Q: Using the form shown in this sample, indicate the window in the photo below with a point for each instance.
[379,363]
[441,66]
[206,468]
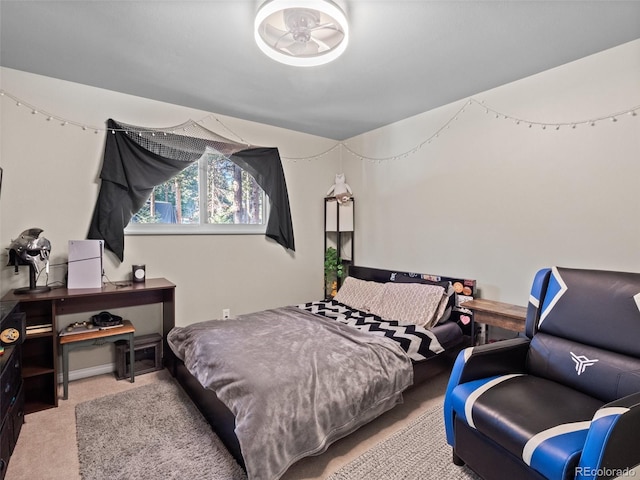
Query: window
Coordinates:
[212,195]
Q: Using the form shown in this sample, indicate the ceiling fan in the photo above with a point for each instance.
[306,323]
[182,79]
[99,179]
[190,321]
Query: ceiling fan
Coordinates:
[301,33]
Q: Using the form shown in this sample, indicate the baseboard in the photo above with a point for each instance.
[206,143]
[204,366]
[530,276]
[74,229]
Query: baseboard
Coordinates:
[89,372]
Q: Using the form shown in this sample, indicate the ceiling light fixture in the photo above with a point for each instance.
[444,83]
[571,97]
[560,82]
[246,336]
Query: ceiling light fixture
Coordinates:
[302,33]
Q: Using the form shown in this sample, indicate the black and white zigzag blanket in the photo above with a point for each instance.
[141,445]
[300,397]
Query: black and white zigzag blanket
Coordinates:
[419,343]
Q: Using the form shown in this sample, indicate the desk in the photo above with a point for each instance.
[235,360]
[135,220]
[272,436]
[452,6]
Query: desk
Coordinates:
[40,350]
[497,314]
[94,337]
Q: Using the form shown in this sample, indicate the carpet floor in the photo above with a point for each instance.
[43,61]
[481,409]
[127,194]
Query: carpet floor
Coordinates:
[155,431]
[417,452]
[147,433]
[48,448]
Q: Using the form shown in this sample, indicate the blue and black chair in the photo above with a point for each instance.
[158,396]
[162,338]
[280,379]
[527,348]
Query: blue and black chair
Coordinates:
[562,401]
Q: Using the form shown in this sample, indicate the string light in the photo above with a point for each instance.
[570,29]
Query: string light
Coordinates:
[613,118]
[488,110]
[319,155]
[64,121]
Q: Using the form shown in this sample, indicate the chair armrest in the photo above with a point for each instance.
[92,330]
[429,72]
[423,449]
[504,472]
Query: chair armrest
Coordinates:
[491,359]
[611,448]
[499,358]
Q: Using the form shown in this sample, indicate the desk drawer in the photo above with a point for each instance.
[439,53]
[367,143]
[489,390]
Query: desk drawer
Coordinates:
[6,435]
[10,381]
[16,415]
[10,431]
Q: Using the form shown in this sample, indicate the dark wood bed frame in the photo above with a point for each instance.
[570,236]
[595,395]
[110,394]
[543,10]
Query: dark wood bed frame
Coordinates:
[222,419]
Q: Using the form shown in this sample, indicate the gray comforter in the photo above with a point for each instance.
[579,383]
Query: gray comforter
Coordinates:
[295,381]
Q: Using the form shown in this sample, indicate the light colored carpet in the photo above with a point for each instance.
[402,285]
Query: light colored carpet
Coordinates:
[417,452]
[147,433]
[48,450]
[155,431]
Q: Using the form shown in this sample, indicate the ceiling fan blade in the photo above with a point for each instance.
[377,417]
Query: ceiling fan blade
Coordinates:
[304,48]
[328,34]
[331,25]
[273,35]
[312,47]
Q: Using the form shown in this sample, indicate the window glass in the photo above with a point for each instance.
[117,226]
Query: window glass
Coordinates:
[212,195]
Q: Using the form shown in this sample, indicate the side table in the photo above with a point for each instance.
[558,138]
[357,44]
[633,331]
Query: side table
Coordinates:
[95,337]
[497,314]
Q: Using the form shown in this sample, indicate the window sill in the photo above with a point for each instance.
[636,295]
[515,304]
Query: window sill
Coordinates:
[173,229]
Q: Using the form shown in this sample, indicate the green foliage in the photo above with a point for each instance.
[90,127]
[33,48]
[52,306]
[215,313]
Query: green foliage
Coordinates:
[232,195]
[333,267]
[144,215]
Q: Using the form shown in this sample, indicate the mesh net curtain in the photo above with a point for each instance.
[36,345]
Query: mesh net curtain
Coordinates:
[136,159]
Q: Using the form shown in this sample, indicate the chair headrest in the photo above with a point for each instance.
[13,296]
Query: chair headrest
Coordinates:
[594,307]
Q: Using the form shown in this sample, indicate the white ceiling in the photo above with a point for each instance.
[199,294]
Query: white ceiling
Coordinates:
[404,57]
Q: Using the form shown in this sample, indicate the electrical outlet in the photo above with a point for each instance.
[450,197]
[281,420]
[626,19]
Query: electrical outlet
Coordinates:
[226,313]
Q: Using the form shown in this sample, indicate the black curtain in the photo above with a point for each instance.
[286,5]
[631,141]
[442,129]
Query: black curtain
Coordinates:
[130,171]
[265,166]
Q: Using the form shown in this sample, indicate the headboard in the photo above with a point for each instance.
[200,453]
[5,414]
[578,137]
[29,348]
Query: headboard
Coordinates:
[465,289]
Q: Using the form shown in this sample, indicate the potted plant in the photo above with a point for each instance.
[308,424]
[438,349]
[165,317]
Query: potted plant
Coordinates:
[333,270]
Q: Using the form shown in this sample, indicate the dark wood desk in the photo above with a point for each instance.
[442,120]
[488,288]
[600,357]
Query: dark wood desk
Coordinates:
[40,350]
[498,314]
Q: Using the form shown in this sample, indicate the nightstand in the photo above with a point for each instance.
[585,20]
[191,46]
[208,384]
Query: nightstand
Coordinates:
[497,314]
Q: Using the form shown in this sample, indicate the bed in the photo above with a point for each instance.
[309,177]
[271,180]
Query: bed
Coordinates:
[285,383]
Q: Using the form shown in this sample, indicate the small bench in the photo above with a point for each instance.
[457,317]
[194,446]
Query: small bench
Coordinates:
[95,337]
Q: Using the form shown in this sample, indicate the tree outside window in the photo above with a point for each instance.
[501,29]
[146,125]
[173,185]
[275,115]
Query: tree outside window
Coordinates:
[211,191]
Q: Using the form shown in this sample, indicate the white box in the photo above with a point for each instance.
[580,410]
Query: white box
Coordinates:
[85,264]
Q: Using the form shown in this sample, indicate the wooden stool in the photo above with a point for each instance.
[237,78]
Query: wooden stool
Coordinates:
[95,337]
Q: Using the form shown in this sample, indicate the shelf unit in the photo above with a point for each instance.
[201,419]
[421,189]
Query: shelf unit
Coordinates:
[339,226]
[39,354]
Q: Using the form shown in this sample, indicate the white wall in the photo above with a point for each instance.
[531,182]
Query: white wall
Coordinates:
[487,199]
[495,201]
[51,182]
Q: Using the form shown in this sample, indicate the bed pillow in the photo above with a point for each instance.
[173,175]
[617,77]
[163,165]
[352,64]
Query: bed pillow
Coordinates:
[448,299]
[410,303]
[360,294]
